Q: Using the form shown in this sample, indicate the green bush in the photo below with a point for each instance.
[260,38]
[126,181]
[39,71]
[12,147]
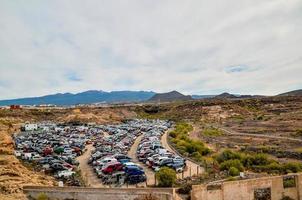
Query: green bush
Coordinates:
[226,165]
[258,162]
[292,167]
[228,155]
[166,177]
[42,196]
[197,156]
[288,183]
[212,132]
[233,171]
[185,145]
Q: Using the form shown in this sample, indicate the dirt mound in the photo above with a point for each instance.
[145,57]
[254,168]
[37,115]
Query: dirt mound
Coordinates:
[101,115]
[13,176]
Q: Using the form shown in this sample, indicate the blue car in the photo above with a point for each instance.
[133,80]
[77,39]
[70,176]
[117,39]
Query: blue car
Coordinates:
[133,170]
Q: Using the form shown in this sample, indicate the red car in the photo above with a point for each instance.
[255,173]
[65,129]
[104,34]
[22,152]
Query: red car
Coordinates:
[47,151]
[112,167]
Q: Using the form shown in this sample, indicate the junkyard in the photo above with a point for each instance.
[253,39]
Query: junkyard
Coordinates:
[54,149]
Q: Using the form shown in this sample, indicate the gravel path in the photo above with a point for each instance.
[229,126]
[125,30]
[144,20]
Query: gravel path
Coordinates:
[88,174]
[132,154]
[91,178]
[232,132]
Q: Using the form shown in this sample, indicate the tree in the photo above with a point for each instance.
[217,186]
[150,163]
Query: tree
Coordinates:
[166,177]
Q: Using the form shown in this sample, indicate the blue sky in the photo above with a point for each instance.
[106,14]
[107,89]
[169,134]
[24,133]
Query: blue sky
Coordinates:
[195,47]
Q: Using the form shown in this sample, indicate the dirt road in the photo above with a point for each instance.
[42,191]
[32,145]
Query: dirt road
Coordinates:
[232,132]
[132,154]
[91,178]
[191,169]
[88,174]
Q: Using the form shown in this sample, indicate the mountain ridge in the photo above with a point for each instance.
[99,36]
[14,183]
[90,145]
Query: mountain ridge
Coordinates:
[86,97]
[292,93]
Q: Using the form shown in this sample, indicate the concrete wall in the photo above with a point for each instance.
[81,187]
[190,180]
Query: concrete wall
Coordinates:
[79,193]
[244,189]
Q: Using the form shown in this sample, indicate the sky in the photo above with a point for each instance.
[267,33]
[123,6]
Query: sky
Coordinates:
[192,46]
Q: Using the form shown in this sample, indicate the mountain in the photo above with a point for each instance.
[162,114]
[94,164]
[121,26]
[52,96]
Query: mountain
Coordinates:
[292,93]
[169,96]
[202,96]
[87,97]
[225,95]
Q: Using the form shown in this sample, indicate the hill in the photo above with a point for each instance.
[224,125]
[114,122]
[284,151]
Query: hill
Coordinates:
[292,93]
[225,95]
[87,97]
[202,96]
[170,96]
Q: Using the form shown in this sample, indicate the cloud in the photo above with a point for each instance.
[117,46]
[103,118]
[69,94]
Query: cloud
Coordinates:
[73,76]
[236,69]
[240,46]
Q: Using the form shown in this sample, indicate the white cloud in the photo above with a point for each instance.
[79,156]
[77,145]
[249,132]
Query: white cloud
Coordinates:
[70,46]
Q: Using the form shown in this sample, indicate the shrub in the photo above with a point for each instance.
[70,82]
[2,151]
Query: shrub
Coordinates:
[292,167]
[288,183]
[173,134]
[185,188]
[186,145]
[233,171]
[260,159]
[212,132]
[166,177]
[42,196]
[226,165]
[228,155]
[299,132]
[286,198]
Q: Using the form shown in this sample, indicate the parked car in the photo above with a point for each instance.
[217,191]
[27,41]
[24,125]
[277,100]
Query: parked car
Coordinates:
[112,167]
[65,173]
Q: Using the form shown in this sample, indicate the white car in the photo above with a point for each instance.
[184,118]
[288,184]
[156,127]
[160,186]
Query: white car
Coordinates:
[65,173]
[18,154]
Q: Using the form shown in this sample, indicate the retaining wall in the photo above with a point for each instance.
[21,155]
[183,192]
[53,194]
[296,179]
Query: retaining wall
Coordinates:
[80,193]
[247,189]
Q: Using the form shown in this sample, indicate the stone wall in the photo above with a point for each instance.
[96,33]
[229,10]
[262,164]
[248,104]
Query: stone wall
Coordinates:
[268,188]
[79,193]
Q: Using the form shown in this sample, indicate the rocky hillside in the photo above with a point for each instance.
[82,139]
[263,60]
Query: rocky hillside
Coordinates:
[225,95]
[169,96]
[292,93]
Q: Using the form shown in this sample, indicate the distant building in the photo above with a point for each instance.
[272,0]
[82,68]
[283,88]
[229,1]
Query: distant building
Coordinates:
[29,127]
[15,107]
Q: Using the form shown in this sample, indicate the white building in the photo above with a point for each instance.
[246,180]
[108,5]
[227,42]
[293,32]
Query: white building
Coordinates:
[30,127]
